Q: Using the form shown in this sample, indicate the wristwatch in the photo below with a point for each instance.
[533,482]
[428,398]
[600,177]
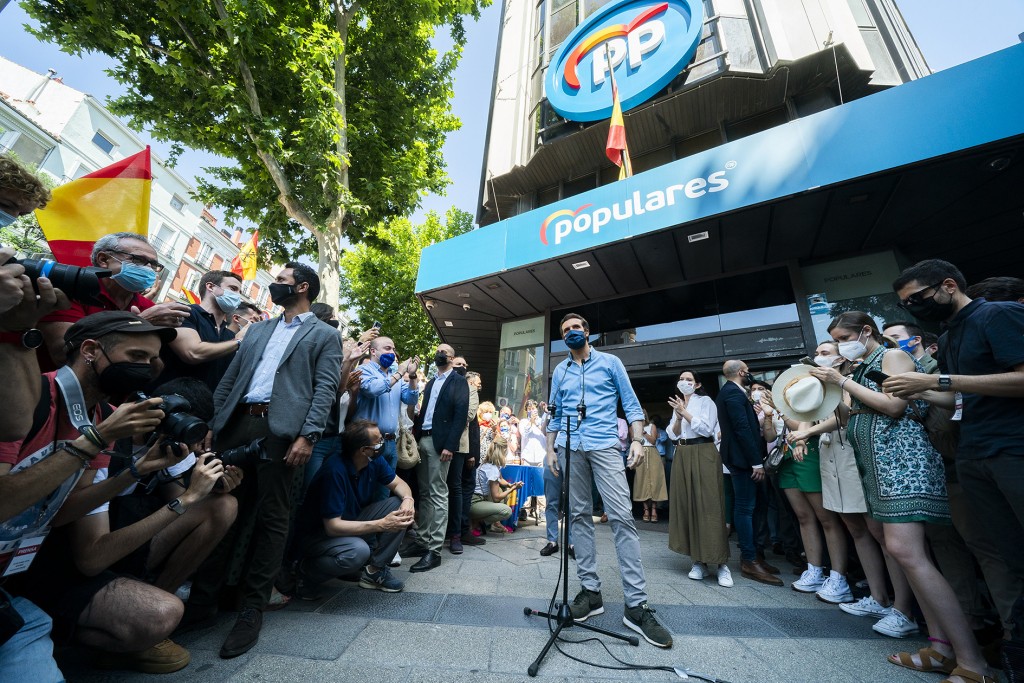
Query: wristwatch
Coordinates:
[176,506]
[945,383]
[30,339]
[312,437]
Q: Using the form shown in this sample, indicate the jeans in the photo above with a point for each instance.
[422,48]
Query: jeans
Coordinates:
[552,491]
[390,455]
[28,655]
[324,448]
[326,557]
[745,491]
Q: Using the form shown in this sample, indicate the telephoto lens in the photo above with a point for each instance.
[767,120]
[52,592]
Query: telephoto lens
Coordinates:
[79,284]
[246,454]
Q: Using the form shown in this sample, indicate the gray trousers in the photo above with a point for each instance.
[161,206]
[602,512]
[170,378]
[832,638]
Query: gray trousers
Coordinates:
[432,510]
[327,557]
[609,474]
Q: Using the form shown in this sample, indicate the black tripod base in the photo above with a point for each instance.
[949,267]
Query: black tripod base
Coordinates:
[564,620]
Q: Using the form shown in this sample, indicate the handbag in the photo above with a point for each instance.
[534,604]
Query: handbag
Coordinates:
[408,451]
[777,454]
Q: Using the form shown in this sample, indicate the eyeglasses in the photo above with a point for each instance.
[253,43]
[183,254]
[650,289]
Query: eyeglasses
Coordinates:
[138,260]
[916,299]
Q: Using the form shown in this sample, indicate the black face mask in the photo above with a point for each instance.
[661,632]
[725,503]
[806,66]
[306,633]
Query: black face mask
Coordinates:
[118,379]
[461,370]
[931,310]
[748,379]
[280,293]
[440,359]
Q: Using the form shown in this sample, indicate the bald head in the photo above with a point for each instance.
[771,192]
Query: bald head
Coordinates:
[733,369]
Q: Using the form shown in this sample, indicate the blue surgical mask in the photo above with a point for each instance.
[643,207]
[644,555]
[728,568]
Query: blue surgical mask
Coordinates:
[229,301]
[386,360]
[6,219]
[575,339]
[134,278]
[907,345]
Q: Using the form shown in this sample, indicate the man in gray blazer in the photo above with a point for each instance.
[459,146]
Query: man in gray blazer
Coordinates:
[280,388]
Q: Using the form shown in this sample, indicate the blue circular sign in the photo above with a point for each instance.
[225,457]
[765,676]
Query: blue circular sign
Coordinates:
[646,43]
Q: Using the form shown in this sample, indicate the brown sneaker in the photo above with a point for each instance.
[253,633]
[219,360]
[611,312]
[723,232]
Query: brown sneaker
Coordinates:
[163,658]
[758,572]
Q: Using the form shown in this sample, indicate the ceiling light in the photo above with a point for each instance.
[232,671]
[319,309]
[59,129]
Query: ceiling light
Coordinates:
[449,323]
[580,265]
[429,303]
[463,295]
[697,236]
[493,285]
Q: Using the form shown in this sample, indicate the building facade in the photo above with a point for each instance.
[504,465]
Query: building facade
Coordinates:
[797,159]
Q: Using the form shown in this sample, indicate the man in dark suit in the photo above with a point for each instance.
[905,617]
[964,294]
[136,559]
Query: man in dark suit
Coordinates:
[742,452]
[438,429]
[280,388]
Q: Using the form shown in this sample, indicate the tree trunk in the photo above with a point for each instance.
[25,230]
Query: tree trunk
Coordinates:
[328,241]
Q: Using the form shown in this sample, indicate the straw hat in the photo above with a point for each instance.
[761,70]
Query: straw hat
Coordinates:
[801,396]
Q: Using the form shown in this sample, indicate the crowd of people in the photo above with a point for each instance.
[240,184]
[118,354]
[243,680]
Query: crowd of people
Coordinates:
[163,462]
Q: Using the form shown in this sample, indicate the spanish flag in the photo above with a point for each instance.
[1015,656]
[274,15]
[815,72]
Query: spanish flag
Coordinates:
[190,296]
[616,148]
[244,265]
[112,199]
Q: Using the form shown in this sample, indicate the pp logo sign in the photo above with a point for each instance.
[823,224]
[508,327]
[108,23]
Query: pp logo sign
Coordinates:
[646,43]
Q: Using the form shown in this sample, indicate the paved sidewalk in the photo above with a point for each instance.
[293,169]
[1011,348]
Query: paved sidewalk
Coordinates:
[464,622]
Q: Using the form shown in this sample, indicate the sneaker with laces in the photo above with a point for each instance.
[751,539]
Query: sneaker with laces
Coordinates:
[642,620]
[896,625]
[724,576]
[835,590]
[380,580]
[810,581]
[866,607]
[698,572]
[586,604]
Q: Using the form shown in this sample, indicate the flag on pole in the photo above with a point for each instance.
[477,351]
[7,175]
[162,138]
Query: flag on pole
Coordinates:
[616,148]
[112,199]
[244,265]
[189,295]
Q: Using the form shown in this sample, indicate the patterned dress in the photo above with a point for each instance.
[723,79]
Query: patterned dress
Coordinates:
[904,479]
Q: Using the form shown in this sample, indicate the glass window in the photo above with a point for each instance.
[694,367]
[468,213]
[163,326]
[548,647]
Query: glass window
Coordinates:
[177,203]
[591,6]
[29,152]
[563,21]
[103,142]
[192,280]
[520,374]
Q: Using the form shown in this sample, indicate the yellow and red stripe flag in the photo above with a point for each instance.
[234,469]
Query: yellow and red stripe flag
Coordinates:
[112,199]
[244,265]
[189,295]
[616,148]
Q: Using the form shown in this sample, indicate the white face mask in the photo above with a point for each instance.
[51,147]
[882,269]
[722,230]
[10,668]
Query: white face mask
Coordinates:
[852,350]
[825,361]
[757,395]
[686,387]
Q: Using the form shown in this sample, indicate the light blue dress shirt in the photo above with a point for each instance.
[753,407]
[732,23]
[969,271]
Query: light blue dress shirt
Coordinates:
[603,381]
[428,416]
[261,386]
[380,402]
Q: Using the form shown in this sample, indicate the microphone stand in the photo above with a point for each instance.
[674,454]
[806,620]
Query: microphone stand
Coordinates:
[563,617]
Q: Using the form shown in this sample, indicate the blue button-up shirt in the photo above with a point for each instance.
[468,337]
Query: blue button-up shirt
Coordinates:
[380,402]
[602,380]
[261,386]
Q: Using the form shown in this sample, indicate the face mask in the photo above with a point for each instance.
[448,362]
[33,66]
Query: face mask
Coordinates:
[931,310]
[748,379]
[385,360]
[229,300]
[685,388]
[852,350]
[504,431]
[280,293]
[6,219]
[377,448]
[134,278]
[460,370]
[575,339]
[824,361]
[122,378]
[907,345]
[756,396]
[441,359]
[488,416]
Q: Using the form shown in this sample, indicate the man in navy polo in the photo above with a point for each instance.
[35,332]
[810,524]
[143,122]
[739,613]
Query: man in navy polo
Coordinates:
[343,528]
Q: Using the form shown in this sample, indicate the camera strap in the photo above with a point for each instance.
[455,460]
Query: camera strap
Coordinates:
[71,390]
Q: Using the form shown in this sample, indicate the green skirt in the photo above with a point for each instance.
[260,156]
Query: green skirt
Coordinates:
[804,476]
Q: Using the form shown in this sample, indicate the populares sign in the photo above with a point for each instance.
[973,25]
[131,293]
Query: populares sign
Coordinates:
[646,43]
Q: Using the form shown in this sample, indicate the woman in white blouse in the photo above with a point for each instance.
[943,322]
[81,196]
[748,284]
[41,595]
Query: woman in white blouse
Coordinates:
[696,503]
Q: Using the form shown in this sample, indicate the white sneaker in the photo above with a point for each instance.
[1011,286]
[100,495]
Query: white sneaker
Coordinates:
[397,561]
[835,590]
[866,607]
[699,571]
[724,576]
[810,581]
[896,625]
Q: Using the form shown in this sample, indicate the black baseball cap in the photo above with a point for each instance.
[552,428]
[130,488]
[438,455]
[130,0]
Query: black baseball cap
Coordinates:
[103,323]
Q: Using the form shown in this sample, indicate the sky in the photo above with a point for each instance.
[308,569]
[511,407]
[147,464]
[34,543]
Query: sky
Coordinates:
[944,34]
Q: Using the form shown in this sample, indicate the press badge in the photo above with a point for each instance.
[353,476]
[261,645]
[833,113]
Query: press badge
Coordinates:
[26,551]
[958,407]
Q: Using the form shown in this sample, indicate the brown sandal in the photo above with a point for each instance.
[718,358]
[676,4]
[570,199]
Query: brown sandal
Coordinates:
[928,655]
[969,675]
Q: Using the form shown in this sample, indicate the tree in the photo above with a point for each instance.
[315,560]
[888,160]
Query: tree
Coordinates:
[333,112]
[379,277]
[24,235]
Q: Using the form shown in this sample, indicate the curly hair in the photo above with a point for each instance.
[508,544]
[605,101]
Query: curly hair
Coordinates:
[16,177]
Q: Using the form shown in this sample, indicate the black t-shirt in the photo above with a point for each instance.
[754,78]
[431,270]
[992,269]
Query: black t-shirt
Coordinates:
[986,338]
[210,372]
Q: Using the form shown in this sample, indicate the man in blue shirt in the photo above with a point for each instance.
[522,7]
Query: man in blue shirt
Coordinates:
[382,392]
[344,528]
[598,381]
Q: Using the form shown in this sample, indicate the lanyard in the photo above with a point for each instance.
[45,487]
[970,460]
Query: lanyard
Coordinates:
[71,390]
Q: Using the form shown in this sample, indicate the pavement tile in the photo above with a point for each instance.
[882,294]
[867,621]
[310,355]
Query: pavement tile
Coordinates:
[205,666]
[808,623]
[407,605]
[280,669]
[422,646]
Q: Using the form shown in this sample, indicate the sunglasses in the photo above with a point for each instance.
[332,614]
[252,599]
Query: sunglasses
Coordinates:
[916,299]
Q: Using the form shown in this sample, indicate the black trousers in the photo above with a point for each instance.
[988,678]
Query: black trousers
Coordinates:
[263,496]
[461,482]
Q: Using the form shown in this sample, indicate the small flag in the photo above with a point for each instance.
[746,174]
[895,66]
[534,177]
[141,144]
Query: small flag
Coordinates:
[189,295]
[112,199]
[616,148]
[244,265]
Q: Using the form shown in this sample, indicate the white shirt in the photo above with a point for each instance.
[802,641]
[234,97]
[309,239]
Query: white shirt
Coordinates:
[428,415]
[533,443]
[485,474]
[261,386]
[704,414]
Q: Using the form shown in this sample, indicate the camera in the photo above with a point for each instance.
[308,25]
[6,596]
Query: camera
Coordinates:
[78,283]
[178,425]
[246,454]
